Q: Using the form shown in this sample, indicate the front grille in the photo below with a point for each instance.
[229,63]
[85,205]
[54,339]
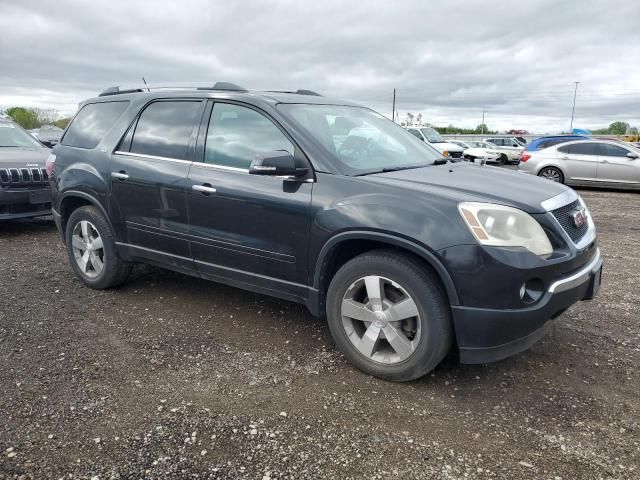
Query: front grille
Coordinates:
[23,177]
[455,154]
[564,215]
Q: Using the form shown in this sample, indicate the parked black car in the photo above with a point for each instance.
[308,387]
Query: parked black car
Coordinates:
[329,204]
[24,186]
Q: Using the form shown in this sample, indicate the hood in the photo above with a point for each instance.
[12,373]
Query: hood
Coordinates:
[449,147]
[471,183]
[19,157]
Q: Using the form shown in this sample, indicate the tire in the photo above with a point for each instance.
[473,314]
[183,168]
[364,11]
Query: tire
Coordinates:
[97,268]
[429,332]
[503,159]
[551,173]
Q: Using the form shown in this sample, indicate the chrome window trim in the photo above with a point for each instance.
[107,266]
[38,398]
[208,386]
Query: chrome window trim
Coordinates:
[220,167]
[151,157]
[577,278]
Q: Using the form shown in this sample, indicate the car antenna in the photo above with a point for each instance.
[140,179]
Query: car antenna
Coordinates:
[145,82]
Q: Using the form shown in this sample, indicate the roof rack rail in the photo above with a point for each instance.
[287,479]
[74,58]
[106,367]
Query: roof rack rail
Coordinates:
[232,87]
[297,92]
[307,92]
[226,86]
[117,91]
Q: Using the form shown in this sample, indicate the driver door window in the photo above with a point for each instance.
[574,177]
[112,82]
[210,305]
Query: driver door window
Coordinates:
[236,134]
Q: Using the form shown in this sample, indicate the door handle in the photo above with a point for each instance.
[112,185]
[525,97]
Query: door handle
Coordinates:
[605,161]
[205,189]
[564,158]
[119,175]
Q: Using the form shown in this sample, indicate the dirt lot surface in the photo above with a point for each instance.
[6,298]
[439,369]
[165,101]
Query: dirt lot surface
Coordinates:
[175,377]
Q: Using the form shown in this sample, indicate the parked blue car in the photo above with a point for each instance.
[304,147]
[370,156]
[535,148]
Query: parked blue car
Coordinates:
[549,141]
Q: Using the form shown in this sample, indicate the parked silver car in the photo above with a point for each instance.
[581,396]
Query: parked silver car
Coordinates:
[586,162]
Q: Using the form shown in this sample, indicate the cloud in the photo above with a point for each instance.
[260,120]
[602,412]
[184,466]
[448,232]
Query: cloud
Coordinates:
[450,60]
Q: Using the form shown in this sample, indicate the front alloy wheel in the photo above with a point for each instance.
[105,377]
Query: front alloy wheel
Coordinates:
[381,319]
[388,315]
[88,249]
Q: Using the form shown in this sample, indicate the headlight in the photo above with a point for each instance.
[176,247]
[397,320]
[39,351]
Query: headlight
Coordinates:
[445,154]
[503,226]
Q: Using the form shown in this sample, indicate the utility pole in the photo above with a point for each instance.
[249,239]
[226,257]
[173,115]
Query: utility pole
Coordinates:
[393,109]
[575,91]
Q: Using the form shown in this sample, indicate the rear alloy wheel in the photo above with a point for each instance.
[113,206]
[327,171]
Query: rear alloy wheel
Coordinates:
[551,173]
[88,249]
[389,316]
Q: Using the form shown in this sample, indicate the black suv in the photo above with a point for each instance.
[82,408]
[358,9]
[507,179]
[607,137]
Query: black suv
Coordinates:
[329,204]
[24,186]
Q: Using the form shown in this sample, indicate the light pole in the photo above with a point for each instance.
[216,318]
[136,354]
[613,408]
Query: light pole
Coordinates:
[393,108]
[482,124]
[573,109]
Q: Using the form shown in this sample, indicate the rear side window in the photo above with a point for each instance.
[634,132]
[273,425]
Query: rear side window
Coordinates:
[579,149]
[164,129]
[92,123]
[583,149]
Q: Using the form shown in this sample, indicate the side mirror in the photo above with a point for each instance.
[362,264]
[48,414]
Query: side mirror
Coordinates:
[632,155]
[277,163]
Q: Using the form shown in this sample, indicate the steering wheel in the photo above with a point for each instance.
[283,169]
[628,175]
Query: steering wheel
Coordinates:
[354,146]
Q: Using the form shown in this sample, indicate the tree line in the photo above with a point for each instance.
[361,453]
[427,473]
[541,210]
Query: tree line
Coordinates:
[29,118]
[616,128]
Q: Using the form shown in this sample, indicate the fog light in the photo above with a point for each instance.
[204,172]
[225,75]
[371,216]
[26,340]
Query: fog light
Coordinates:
[531,291]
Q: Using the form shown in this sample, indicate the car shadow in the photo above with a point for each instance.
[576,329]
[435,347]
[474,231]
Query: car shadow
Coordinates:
[289,318]
[12,228]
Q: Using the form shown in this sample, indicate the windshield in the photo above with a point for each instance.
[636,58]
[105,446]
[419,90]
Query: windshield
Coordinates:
[432,135]
[13,136]
[362,140]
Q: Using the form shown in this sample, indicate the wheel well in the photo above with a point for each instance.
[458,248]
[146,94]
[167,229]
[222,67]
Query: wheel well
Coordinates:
[68,206]
[348,249]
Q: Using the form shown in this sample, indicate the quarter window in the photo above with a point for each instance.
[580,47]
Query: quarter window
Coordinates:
[237,134]
[92,123]
[609,150]
[164,129]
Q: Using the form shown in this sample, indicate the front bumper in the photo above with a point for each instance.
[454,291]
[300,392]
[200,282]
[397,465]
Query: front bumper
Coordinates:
[24,203]
[487,335]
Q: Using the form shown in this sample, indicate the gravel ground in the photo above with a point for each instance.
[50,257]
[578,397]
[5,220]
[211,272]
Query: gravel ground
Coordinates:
[175,377]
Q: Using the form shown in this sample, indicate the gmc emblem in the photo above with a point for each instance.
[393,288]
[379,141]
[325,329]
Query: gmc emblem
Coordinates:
[579,218]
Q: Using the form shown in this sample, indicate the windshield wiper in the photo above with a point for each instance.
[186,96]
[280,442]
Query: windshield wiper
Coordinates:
[440,161]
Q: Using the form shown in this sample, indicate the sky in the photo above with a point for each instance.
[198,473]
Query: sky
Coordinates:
[449,60]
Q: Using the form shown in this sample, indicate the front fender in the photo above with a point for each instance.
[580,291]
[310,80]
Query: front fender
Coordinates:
[422,251]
